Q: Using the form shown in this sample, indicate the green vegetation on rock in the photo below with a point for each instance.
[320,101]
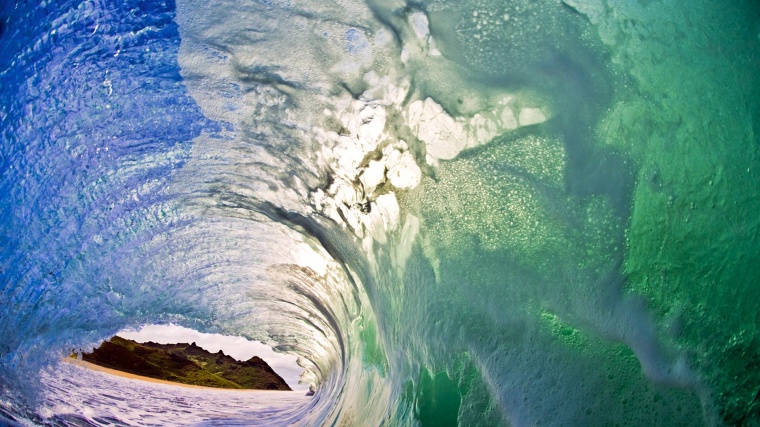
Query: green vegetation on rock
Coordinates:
[185,363]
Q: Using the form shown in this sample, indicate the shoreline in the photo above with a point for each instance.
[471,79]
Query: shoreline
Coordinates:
[98,368]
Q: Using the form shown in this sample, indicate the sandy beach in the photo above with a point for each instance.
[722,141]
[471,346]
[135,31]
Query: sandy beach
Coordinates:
[123,374]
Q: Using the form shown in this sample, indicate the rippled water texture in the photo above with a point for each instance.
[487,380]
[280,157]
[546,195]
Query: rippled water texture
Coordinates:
[477,213]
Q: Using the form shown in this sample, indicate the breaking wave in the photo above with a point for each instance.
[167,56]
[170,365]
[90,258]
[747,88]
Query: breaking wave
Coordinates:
[474,213]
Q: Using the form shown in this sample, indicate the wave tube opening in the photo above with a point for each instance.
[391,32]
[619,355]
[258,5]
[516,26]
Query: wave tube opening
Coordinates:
[239,348]
[453,213]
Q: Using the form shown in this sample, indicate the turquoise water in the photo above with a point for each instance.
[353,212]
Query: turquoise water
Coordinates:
[454,213]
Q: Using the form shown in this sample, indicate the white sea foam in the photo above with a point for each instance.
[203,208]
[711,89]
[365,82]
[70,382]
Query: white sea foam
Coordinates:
[112,399]
[531,116]
[368,153]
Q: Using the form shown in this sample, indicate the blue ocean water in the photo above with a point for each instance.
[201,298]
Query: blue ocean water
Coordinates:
[455,213]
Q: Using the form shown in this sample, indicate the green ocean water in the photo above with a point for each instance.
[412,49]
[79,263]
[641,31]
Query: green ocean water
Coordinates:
[612,256]
[692,243]
[597,267]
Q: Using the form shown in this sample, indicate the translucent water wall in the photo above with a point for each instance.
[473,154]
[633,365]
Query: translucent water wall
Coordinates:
[454,213]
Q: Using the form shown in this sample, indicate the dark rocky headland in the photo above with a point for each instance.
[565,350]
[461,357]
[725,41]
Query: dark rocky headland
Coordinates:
[185,363]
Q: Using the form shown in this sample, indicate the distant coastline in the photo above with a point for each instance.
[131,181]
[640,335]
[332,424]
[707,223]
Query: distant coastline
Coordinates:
[98,368]
[181,364]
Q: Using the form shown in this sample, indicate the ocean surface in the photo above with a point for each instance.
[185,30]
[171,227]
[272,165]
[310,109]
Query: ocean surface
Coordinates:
[476,213]
[82,397]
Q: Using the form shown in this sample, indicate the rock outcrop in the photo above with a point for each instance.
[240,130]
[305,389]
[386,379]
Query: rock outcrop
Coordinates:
[185,363]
